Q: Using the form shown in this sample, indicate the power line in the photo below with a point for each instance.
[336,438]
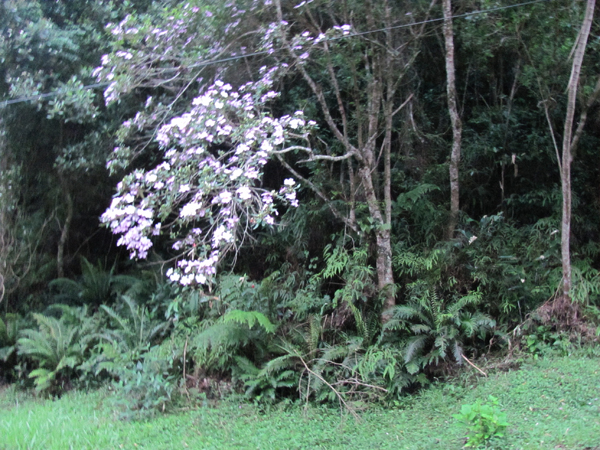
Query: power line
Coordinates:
[265,52]
[440,19]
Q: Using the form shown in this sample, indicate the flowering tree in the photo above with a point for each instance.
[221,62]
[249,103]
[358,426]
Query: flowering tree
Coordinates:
[206,192]
[357,96]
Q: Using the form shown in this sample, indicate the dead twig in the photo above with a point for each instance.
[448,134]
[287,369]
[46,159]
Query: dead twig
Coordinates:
[473,365]
[335,391]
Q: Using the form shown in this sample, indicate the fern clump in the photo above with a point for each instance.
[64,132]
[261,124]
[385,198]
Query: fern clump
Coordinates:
[58,346]
[432,329]
[221,340]
[10,327]
[95,286]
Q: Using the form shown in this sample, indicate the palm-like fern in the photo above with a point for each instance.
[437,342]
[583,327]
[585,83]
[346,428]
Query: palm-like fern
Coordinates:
[264,383]
[437,328]
[96,285]
[57,345]
[131,333]
[217,345]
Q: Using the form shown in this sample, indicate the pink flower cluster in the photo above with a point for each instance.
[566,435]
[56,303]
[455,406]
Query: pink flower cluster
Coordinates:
[208,185]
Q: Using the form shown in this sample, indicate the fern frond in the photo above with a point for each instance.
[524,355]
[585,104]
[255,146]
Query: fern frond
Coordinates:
[394,325]
[414,345]
[277,364]
[457,352]
[405,312]
[43,378]
[315,331]
[249,318]
[336,261]
[222,334]
[441,343]
[473,298]
[35,344]
[135,313]
[358,319]
[246,366]
[335,353]
[483,320]
[468,325]
[420,328]
[122,322]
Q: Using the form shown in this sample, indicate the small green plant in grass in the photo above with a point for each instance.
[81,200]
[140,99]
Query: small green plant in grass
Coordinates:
[483,421]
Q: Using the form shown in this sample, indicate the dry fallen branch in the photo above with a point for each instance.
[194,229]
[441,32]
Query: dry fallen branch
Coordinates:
[473,365]
[335,391]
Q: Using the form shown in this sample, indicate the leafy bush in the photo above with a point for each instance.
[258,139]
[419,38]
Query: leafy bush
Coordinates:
[514,268]
[518,265]
[483,421]
[128,350]
[216,346]
[9,333]
[542,339]
[132,329]
[146,385]
[268,382]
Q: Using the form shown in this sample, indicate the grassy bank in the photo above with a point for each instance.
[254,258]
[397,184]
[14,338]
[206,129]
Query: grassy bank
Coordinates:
[550,403]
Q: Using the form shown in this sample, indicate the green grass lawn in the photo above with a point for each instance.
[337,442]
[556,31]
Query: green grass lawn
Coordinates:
[550,403]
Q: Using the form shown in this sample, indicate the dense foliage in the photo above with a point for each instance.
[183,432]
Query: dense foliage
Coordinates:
[281,194]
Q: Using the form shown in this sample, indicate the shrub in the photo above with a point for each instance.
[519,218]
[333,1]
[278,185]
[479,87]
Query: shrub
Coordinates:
[483,421]
[146,385]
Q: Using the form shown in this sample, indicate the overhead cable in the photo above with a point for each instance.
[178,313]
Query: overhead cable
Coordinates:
[265,52]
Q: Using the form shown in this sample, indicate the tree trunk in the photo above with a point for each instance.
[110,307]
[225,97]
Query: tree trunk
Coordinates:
[454,117]
[383,262]
[567,147]
[64,235]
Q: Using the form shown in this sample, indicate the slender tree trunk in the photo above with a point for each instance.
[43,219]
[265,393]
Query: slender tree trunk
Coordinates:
[454,117]
[64,235]
[383,262]
[567,147]
[385,273]
[4,246]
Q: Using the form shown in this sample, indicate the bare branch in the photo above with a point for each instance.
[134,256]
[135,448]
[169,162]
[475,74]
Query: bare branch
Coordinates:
[328,158]
[320,194]
[404,103]
[547,113]
[336,392]
[583,116]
